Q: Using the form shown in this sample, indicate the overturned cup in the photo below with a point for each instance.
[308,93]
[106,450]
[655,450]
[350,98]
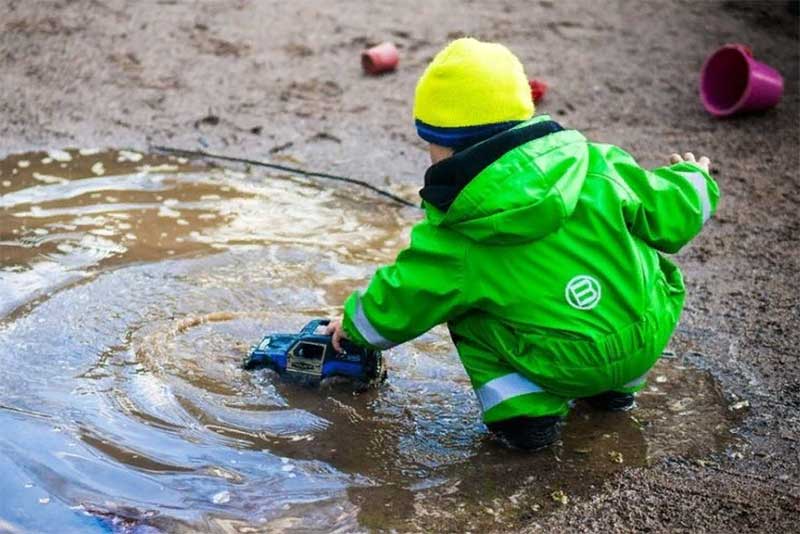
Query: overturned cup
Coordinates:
[732,81]
[380,58]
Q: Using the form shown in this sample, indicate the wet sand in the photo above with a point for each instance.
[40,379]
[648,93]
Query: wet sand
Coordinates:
[282,81]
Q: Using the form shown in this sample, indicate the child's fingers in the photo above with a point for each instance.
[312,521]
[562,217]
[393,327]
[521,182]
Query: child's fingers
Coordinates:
[336,340]
[704,162]
[675,158]
[689,157]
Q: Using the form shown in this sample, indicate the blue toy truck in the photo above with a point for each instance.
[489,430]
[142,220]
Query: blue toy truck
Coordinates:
[309,357]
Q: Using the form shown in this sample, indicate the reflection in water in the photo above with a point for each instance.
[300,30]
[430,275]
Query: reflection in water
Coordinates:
[130,290]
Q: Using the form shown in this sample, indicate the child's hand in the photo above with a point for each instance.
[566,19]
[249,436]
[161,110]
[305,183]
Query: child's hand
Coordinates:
[704,163]
[334,329]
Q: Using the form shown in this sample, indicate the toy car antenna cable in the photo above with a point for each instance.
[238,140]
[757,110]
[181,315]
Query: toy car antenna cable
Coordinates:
[286,168]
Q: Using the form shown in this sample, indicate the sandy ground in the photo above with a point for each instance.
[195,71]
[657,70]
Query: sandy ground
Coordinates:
[282,80]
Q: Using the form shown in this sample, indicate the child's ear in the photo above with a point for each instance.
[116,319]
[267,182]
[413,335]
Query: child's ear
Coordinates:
[438,152]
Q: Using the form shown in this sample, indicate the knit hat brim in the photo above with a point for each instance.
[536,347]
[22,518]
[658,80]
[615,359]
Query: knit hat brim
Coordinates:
[463,136]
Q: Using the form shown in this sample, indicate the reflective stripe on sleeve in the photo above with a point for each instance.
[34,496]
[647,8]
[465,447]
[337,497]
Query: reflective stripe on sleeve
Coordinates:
[503,388]
[366,329]
[698,181]
[636,382]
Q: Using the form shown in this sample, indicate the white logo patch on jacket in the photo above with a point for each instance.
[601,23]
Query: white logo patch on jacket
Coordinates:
[583,292]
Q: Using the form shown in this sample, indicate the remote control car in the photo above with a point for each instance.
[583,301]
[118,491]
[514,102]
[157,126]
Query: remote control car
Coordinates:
[309,357]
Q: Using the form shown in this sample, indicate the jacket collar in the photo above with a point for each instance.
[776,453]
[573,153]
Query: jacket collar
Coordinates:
[446,179]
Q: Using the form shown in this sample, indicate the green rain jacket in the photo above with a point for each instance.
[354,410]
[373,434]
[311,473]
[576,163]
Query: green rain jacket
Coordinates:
[543,254]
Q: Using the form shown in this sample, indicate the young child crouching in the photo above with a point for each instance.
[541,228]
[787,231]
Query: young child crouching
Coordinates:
[542,251]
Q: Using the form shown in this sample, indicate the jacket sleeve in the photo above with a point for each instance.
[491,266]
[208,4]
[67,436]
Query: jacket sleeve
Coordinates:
[668,205]
[423,288]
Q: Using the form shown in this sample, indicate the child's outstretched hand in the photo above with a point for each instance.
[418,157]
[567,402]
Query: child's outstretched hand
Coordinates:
[704,163]
[335,330]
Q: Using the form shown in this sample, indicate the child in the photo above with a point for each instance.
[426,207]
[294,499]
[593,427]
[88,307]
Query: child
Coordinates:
[541,251]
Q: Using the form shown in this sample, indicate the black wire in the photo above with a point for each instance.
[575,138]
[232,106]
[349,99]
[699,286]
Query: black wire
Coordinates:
[286,168]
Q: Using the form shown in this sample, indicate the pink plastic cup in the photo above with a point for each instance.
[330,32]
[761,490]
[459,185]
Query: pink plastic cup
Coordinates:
[380,58]
[731,82]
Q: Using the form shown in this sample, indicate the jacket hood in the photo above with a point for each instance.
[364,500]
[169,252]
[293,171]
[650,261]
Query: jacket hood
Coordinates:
[515,187]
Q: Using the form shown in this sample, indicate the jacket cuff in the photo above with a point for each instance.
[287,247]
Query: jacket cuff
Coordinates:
[358,327]
[703,184]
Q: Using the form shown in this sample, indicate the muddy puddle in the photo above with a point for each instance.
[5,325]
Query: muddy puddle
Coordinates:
[130,289]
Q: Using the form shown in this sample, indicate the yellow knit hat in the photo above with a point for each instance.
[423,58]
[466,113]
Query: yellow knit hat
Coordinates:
[472,83]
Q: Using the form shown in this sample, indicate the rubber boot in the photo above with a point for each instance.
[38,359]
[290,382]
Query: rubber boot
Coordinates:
[528,433]
[613,401]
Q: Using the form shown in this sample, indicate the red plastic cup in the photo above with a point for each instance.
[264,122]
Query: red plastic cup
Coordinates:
[731,82]
[538,90]
[380,58]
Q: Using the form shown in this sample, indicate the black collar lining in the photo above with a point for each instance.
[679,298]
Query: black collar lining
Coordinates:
[446,179]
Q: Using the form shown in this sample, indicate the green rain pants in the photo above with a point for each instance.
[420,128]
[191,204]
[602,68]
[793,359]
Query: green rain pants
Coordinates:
[553,371]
